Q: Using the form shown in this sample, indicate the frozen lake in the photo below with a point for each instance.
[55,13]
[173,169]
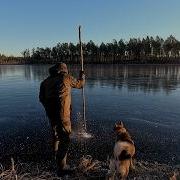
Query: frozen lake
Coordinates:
[145,97]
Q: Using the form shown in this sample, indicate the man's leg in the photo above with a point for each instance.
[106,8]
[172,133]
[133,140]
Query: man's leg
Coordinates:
[55,140]
[52,111]
[63,146]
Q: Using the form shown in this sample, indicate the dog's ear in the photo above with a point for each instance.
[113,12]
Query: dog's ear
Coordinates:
[116,126]
[121,123]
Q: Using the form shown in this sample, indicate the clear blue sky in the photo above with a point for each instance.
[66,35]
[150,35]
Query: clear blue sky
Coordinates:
[32,23]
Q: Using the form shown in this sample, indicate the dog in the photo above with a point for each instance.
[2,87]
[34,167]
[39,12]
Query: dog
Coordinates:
[123,153]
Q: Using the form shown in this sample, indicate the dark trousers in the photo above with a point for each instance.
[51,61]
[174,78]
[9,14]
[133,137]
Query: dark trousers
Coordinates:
[61,145]
[61,138]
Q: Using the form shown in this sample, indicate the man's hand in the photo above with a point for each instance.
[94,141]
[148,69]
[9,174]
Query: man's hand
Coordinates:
[81,75]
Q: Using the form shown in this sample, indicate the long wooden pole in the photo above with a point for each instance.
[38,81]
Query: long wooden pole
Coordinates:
[81,50]
[82,68]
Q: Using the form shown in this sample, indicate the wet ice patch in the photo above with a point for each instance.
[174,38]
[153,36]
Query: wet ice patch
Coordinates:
[80,130]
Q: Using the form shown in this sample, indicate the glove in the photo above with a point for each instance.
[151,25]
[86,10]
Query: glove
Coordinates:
[81,75]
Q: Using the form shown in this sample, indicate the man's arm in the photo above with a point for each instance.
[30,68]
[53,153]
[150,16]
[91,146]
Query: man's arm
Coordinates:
[78,83]
[42,94]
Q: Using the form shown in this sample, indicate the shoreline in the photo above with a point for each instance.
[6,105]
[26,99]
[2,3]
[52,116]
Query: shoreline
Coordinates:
[95,61]
[92,170]
[92,63]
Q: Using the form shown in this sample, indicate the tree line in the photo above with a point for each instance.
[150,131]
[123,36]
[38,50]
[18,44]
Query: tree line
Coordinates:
[136,50]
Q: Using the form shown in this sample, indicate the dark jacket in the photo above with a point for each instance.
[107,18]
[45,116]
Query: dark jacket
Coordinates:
[56,90]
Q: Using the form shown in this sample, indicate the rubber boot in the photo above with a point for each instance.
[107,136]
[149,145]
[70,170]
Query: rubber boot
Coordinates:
[56,144]
[63,168]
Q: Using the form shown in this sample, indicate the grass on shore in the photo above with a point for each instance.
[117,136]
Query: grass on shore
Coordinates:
[87,168]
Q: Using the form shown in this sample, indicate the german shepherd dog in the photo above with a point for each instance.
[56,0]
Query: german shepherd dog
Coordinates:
[124,151]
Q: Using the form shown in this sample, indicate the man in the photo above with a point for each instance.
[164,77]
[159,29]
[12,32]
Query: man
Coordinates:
[55,95]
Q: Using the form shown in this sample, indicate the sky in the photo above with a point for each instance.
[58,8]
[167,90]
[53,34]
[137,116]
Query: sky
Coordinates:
[43,23]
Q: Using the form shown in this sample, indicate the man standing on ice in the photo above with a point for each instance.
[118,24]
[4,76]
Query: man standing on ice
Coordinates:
[55,95]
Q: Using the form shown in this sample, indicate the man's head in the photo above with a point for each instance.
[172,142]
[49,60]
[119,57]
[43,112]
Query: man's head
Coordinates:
[58,68]
[61,67]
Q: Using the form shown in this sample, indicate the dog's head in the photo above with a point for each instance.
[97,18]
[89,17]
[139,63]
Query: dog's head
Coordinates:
[119,127]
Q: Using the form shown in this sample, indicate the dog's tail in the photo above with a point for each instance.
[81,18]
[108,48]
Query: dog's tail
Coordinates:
[124,155]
